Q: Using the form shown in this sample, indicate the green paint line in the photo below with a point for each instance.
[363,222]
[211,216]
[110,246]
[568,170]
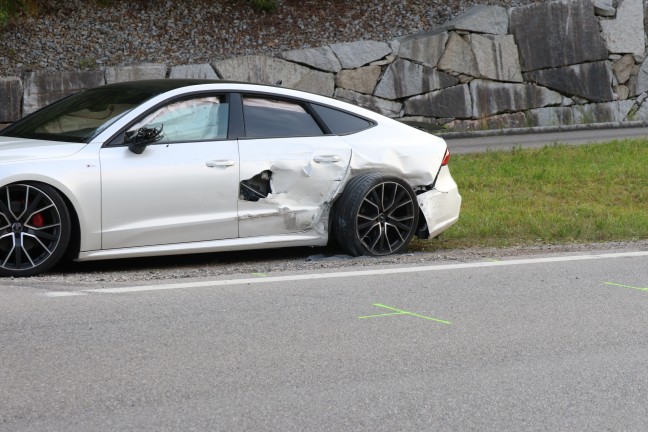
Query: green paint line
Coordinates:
[626,286]
[493,260]
[382,315]
[259,274]
[412,314]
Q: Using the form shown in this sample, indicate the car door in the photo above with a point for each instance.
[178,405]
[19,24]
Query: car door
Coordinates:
[290,168]
[181,188]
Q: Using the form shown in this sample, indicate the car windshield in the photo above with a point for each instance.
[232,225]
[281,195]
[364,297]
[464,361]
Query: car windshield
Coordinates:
[80,117]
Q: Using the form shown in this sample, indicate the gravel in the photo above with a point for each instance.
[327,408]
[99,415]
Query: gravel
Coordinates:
[82,35]
[270,262]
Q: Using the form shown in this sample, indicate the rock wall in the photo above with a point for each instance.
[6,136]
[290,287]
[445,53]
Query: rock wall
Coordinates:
[548,64]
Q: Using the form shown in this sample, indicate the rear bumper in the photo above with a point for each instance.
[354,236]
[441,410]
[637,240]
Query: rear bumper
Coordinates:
[441,205]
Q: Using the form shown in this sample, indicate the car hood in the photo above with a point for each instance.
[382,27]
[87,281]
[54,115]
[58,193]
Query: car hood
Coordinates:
[20,149]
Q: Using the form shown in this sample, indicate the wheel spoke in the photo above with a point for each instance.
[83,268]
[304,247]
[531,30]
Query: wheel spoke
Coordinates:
[4,212]
[30,210]
[18,248]
[49,252]
[377,240]
[369,223]
[38,234]
[374,203]
[399,225]
[396,230]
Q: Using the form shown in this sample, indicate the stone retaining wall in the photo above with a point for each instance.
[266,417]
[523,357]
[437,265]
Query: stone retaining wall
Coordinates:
[549,64]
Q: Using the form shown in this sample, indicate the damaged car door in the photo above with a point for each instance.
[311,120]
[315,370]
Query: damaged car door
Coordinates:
[291,168]
[172,177]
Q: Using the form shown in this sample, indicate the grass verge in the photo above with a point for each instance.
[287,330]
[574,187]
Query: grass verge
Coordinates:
[558,194]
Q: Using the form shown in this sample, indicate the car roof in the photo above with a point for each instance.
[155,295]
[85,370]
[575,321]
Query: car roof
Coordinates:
[163,85]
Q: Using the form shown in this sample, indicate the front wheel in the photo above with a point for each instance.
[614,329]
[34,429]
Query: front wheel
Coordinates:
[376,215]
[34,229]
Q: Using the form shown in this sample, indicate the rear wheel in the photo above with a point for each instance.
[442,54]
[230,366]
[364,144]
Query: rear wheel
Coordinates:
[376,215]
[34,229]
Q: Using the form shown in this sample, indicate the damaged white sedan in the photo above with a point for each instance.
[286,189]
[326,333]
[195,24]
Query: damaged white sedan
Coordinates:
[167,167]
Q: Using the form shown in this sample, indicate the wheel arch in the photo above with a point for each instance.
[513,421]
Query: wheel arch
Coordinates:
[74,246]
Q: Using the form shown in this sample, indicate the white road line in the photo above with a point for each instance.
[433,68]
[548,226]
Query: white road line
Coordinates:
[375,272]
[64,293]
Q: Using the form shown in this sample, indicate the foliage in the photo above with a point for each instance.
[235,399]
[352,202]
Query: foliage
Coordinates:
[10,8]
[261,5]
[557,194]
[265,5]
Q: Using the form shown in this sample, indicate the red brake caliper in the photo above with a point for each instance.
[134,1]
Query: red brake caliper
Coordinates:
[38,220]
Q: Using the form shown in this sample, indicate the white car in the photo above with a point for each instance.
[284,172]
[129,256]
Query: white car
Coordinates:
[165,167]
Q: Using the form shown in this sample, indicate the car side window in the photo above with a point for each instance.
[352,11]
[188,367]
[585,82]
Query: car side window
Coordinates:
[273,118]
[340,122]
[196,119]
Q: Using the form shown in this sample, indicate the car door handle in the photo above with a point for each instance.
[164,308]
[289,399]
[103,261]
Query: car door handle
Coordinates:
[327,158]
[220,163]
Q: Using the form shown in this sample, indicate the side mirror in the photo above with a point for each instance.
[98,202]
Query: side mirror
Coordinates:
[138,140]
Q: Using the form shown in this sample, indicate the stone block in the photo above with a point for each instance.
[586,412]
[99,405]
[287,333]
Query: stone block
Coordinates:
[318,82]
[381,106]
[623,68]
[497,57]
[609,112]
[638,113]
[404,78]
[591,81]
[458,57]
[641,84]
[362,80]
[551,116]
[425,48]
[500,121]
[625,33]
[481,19]
[144,71]
[355,54]
[322,58]
[493,98]
[604,8]
[274,71]
[451,102]
[199,71]
[622,92]
[384,62]
[557,33]
[11,93]
[44,88]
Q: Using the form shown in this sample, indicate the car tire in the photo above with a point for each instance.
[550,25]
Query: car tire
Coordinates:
[376,215]
[35,229]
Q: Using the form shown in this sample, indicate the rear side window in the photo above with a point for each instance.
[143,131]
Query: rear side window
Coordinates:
[273,118]
[339,122]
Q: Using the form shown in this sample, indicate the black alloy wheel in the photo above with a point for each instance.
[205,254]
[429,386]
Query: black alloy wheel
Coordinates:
[34,229]
[376,215]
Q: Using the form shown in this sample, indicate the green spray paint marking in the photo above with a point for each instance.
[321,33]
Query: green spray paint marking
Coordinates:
[626,286]
[402,312]
[493,260]
[259,274]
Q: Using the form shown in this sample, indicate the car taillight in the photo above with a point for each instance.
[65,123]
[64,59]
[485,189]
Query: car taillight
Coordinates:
[446,158]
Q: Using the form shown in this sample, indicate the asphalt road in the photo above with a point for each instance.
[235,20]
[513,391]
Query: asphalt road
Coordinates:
[547,342]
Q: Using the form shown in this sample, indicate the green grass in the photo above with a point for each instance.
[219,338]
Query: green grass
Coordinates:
[559,194]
